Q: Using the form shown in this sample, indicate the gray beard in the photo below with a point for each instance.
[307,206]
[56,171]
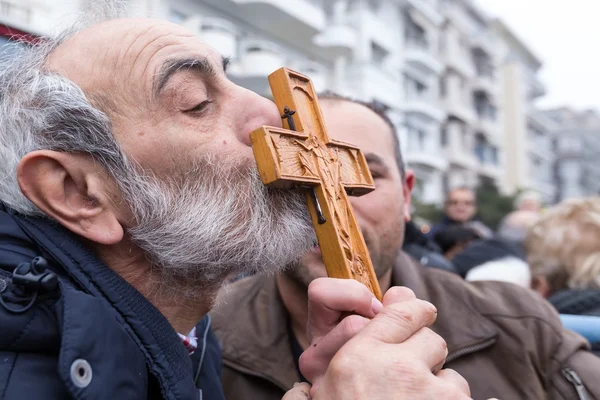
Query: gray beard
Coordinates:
[214,221]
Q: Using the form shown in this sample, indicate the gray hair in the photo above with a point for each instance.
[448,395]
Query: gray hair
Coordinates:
[206,221]
[40,109]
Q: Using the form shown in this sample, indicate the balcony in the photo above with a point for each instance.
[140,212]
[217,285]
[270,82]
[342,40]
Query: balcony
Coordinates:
[485,83]
[258,58]
[428,11]
[483,41]
[433,160]
[540,147]
[459,109]
[459,62]
[371,81]
[338,38]
[461,157]
[316,72]
[535,87]
[491,171]
[418,55]
[309,13]
[425,107]
[489,128]
[218,33]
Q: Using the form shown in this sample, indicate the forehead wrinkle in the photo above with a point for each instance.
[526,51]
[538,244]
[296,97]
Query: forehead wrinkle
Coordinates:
[155,53]
[131,48]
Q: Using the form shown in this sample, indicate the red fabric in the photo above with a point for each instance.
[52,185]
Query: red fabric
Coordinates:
[190,342]
[18,34]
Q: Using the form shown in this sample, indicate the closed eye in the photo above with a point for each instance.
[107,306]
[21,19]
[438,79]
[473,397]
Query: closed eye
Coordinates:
[199,108]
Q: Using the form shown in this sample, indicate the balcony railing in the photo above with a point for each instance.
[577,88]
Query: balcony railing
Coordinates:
[15,11]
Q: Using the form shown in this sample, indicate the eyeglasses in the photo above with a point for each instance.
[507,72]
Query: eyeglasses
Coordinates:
[459,202]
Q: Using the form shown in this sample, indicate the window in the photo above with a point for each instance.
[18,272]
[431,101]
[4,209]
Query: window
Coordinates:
[416,138]
[484,108]
[444,136]
[414,34]
[494,155]
[443,87]
[378,53]
[414,89]
[480,148]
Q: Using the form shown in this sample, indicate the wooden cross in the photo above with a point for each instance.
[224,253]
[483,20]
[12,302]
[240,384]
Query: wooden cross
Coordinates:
[303,155]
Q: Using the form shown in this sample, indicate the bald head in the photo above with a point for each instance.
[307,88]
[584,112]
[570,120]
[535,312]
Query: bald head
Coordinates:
[105,59]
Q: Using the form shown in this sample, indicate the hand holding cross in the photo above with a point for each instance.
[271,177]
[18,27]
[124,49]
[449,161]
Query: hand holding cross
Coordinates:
[303,155]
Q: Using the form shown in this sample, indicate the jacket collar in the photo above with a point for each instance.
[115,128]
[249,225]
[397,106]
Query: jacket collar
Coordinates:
[165,355]
[253,331]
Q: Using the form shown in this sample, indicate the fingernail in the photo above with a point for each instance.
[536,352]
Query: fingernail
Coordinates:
[296,384]
[376,306]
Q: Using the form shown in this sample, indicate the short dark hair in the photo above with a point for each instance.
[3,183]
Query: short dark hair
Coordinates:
[379,109]
[453,236]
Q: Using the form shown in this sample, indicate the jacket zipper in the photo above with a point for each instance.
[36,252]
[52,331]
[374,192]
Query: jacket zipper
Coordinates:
[472,349]
[575,380]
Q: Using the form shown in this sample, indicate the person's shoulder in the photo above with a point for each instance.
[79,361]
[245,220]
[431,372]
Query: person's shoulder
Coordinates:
[496,300]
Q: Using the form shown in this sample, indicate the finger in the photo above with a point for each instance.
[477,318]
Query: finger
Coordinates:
[399,321]
[428,347]
[300,391]
[315,360]
[454,378]
[397,294]
[329,298]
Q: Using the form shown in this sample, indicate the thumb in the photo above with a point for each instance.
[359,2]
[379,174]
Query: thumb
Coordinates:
[300,391]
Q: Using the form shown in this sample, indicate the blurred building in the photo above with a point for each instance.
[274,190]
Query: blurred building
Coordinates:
[576,144]
[434,64]
[528,156]
[471,135]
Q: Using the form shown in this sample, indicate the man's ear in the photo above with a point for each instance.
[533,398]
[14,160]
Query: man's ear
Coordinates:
[407,188]
[74,190]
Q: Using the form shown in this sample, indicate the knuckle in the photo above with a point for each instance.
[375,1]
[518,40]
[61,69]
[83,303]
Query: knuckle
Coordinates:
[317,287]
[343,365]
[401,313]
[353,324]
[400,292]
[435,341]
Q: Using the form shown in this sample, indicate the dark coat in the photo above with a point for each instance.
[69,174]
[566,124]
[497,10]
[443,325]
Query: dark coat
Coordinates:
[90,335]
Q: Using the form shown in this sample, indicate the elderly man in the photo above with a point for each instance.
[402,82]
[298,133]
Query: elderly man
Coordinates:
[128,193]
[504,340]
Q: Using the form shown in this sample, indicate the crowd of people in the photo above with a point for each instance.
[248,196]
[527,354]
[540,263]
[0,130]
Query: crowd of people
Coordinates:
[130,198]
[553,251]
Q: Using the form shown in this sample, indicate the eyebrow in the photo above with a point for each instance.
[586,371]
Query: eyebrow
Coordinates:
[171,67]
[373,158]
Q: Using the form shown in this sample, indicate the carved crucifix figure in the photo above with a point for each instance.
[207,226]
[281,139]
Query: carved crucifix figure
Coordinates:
[303,155]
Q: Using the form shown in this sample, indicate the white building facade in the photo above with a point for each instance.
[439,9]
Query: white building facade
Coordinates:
[576,145]
[528,132]
[431,63]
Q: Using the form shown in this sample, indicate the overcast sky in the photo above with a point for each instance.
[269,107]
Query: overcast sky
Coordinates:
[566,36]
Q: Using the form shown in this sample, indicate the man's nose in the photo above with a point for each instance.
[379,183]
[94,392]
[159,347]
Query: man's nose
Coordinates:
[255,111]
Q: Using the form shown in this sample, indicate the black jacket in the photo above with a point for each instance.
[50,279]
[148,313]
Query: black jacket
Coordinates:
[91,335]
[425,251]
[578,302]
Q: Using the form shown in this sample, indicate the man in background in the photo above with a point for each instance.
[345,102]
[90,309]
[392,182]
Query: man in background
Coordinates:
[504,340]
[460,208]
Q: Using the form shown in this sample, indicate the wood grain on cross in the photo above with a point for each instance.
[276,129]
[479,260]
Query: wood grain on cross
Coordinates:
[303,155]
